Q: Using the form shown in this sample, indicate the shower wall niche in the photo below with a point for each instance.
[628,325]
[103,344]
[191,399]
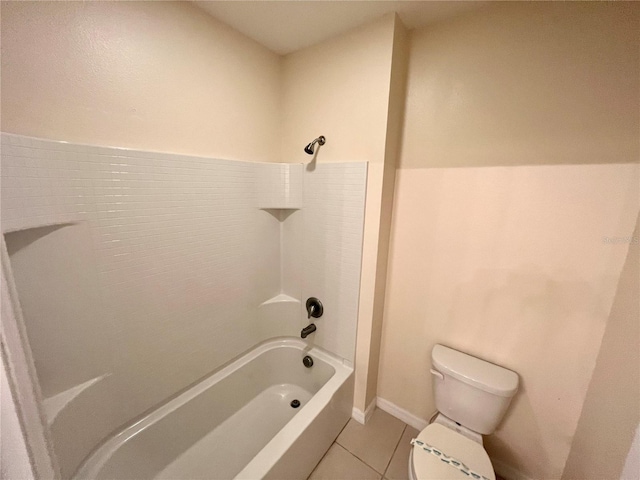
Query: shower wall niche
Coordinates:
[139,273]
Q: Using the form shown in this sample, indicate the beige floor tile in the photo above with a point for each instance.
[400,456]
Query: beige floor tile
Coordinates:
[338,464]
[374,442]
[398,468]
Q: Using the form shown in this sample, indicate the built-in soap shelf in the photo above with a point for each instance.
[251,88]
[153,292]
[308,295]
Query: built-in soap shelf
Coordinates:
[55,404]
[22,224]
[280,298]
[281,214]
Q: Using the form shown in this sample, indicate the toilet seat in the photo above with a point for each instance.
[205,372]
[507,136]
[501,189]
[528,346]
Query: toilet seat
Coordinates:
[424,466]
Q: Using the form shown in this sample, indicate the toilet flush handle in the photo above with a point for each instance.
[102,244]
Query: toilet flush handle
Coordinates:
[436,373]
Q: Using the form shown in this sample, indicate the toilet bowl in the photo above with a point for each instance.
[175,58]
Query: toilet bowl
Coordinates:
[472,396]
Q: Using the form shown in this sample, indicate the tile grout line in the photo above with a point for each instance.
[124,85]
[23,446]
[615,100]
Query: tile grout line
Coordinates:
[320,461]
[366,463]
[361,460]
[357,457]
[395,450]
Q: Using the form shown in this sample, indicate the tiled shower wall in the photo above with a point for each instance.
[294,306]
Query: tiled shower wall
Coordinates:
[321,250]
[332,250]
[139,273]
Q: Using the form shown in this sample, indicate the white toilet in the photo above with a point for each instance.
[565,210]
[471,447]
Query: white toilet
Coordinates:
[471,396]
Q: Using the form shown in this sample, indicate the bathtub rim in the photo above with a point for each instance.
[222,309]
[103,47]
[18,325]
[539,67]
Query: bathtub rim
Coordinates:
[95,461]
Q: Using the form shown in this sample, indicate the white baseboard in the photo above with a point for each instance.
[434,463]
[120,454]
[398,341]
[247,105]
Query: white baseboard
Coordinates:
[358,415]
[363,417]
[401,414]
[508,472]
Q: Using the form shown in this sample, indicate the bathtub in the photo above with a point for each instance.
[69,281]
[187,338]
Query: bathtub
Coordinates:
[239,422]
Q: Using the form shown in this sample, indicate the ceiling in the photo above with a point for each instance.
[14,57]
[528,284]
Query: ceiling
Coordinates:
[287,26]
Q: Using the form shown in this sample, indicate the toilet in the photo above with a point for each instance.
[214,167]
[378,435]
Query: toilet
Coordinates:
[472,396]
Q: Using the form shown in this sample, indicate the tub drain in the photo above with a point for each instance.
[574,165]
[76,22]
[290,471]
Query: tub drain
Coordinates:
[295,403]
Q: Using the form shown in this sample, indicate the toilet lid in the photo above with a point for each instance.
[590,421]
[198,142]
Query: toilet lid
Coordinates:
[427,466]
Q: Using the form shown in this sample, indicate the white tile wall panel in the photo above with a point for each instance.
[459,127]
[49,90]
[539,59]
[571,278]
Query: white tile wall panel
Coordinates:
[162,263]
[280,185]
[333,223]
[181,258]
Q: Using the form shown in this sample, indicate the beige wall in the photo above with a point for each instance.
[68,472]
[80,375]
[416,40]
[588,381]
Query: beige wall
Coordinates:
[535,108]
[541,83]
[160,76]
[611,408]
[372,339]
[342,88]
[339,89]
[507,264]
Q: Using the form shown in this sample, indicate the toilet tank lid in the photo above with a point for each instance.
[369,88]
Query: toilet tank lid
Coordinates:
[473,371]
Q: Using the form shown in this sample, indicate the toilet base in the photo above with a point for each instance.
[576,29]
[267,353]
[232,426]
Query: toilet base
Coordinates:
[456,427]
[412,473]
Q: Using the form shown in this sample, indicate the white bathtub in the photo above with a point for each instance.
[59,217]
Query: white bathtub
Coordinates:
[238,423]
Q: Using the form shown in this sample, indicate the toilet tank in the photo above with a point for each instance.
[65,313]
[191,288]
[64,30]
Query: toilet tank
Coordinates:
[470,391]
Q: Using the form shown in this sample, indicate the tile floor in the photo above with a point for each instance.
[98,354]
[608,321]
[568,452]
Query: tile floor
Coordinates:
[378,450]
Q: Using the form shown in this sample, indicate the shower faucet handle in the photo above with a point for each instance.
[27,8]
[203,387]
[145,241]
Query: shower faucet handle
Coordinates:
[314,308]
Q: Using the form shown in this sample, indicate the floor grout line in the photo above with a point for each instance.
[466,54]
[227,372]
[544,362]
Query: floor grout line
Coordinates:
[395,450]
[365,462]
[356,456]
[318,464]
[362,461]
[345,448]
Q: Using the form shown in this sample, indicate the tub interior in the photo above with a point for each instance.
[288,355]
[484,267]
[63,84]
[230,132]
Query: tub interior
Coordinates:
[217,432]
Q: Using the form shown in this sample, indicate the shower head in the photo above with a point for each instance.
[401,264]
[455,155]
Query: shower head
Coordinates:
[309,148]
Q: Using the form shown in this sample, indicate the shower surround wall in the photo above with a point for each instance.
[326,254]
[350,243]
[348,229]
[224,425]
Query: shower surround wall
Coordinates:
[332,228]
[139,273]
